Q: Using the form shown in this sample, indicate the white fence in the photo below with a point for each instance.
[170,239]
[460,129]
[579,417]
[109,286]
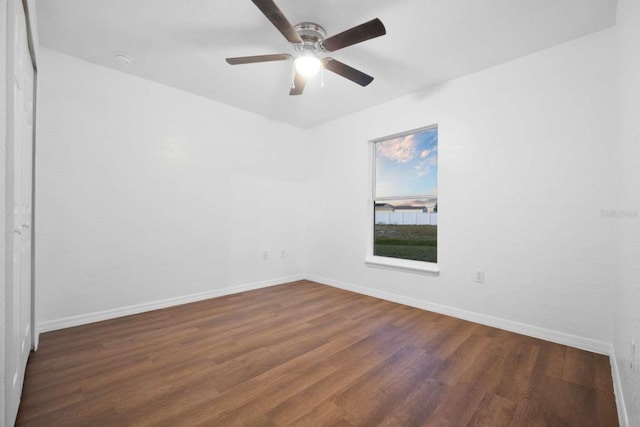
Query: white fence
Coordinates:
[407,218]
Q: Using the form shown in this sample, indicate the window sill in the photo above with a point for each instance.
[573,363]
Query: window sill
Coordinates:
[405,265]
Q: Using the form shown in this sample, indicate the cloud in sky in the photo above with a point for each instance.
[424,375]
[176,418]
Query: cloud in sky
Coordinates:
[428,158]
[399,150]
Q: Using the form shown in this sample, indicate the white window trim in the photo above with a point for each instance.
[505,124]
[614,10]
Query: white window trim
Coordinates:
[398,264]
[406,265]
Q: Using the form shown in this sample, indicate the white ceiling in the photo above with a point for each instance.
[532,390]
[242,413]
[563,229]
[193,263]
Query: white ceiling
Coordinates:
[183,43]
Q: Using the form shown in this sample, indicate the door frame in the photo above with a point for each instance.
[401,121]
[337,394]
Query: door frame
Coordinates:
[32,38]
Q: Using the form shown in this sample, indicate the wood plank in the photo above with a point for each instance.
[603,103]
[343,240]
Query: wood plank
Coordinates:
[494,411]
[410,365]
[417,406]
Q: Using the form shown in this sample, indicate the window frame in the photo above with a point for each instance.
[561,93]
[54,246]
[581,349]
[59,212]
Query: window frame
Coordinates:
[398,264]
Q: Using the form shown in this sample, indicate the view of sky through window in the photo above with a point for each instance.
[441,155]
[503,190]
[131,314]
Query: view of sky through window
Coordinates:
[407,165]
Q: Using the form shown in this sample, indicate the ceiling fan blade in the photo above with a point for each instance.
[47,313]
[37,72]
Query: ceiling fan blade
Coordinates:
[362,32]
[299,82]
[258,58]
[277,18]
[347,72]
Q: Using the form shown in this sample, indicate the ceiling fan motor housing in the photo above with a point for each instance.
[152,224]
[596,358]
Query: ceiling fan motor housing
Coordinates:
[312,36]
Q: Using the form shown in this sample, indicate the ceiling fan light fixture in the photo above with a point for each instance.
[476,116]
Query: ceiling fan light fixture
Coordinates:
[308,64]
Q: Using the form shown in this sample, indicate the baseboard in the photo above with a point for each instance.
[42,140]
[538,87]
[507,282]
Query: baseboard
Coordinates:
[83,319]
[623,418]
[582,343]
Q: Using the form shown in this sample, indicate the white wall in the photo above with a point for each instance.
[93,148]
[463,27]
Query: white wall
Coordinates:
[3,193]
[627,308]
[135,182]
[525,167]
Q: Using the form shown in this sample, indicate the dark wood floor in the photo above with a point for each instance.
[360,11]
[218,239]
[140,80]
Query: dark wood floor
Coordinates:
[304,354]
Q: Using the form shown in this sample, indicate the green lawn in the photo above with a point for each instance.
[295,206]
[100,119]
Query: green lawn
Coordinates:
[415,242]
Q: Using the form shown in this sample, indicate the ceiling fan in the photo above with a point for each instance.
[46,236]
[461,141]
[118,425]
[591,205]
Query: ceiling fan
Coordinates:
[310,42]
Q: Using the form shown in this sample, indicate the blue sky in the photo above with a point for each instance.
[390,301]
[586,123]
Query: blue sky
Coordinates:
[407,165]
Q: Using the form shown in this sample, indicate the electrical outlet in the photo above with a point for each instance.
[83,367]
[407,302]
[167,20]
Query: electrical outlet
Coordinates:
[632,358]
[478,276]
[265,255]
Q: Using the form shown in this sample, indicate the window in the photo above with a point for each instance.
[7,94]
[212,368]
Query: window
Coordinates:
[405,197]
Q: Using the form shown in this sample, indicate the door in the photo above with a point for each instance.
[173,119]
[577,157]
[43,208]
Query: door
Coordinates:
[20,192]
